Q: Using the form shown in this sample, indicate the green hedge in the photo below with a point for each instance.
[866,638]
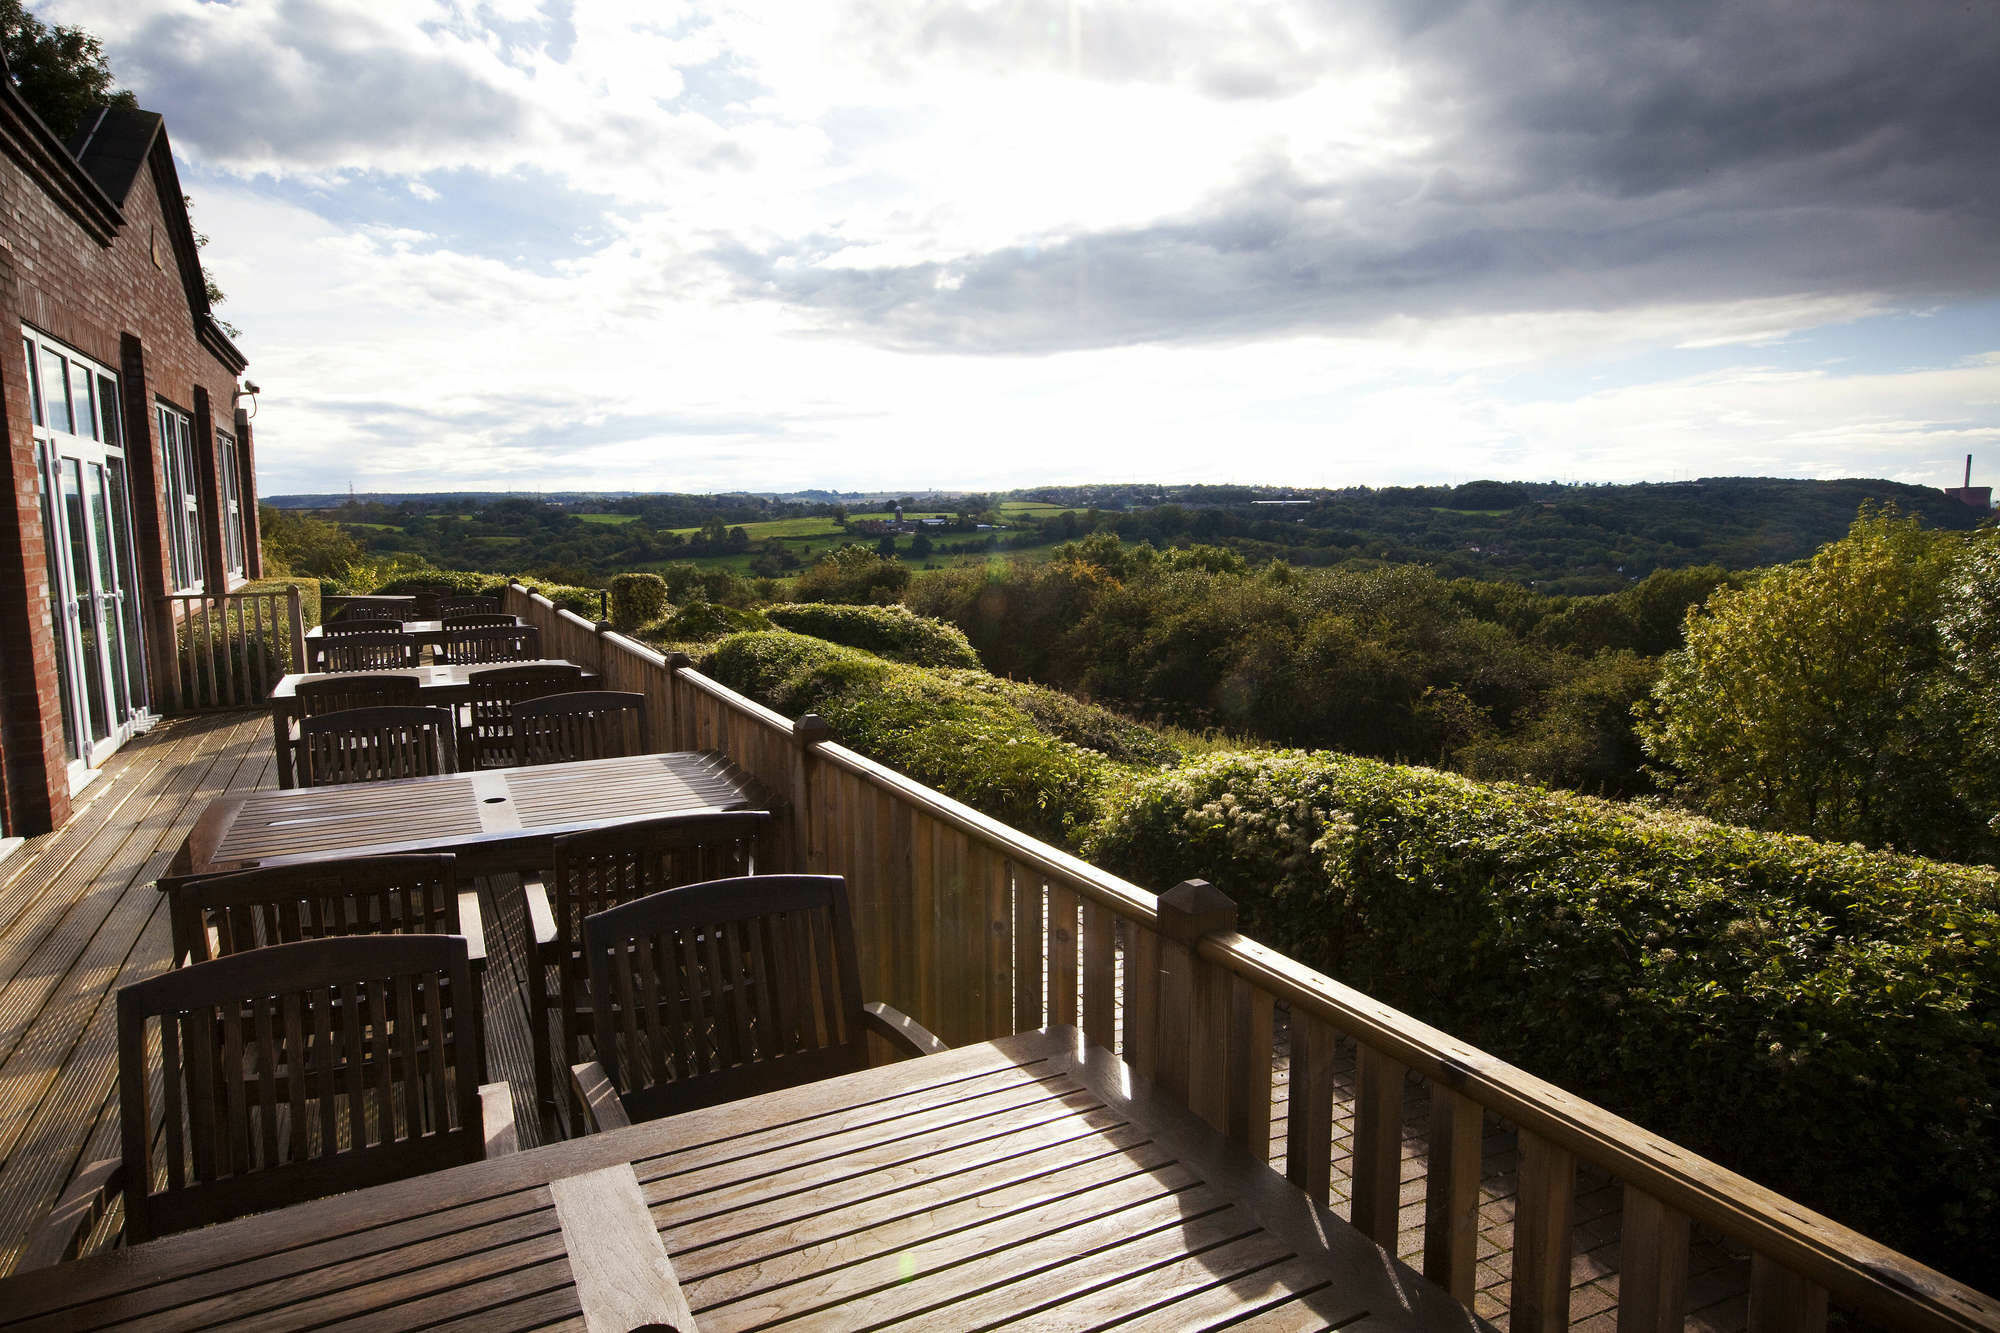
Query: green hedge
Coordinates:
[968,743]
[701,622]
[460,582]
[1822,1018]
[895,632]
[637,599]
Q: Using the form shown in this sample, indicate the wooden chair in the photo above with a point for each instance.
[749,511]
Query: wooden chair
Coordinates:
[602,868]
[711,992]
[363,617]
[286,1074]
[490,643]
[589,724]
[377,650]
[214,916]
[337,693]
[375,745]
[487,736]
[480,620]
[447,607]
[356,691]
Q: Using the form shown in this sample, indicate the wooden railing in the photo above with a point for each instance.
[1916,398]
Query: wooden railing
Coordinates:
[978,930]
[229,649]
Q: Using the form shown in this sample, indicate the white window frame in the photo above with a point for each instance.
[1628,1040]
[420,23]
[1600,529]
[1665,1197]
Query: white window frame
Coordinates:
[180,485]
[233,543]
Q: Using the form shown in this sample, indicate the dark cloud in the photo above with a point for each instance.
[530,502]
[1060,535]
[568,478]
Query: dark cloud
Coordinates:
[1585,155]
[325,98]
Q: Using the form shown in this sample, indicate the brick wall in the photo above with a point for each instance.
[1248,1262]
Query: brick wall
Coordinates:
[124,305]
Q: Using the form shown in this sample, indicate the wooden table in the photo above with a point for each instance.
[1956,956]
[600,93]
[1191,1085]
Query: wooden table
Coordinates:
[496,820]
[1013,1180]
[441,686]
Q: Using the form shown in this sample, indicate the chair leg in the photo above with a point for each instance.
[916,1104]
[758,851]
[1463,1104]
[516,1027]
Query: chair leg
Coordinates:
[538,1014]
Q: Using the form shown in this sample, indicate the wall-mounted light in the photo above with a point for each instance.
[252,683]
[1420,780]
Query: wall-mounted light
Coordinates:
[250,391]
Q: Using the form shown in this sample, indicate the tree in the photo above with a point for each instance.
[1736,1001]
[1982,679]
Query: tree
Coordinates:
[60,70]
[1817,699]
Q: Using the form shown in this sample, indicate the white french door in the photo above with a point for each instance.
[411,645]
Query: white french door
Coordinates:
[87,523]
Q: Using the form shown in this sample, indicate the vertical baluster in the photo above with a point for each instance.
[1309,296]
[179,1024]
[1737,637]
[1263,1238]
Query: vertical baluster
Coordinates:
[1028,948]
[1100,976]
[1782,1301]
[1142,999]
[1062,956]
[999,945]
[1250,1052]
[1653,1265]
[1378,1146]
[1451,1194]
[1309,1127]
[1542,1216]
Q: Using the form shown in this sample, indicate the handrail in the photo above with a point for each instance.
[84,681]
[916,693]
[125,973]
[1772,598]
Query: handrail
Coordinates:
[978,909]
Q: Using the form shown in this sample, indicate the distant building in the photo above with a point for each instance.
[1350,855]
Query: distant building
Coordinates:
[1978,497]
[131,473]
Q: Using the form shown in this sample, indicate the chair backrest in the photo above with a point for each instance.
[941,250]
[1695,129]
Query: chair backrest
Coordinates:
[492,694]
[449,606]
[604,867]
[218,915]
[376,744]
[478,620]
[355,613]
[356,691]
[588,724]
[714,991]
[375,650]
[490,643]
[294,1072]
[365,624]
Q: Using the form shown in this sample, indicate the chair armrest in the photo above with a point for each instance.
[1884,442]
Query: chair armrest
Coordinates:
[496,1117]
[472,925]
[63,1231]
[541,917]
[601,1107]
[900,1030]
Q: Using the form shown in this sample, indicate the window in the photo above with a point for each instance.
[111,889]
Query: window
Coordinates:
[232,504]
[186,569]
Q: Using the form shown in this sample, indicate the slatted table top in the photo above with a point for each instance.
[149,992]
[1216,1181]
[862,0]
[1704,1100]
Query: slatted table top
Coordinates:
[1016,1181]
[501,818]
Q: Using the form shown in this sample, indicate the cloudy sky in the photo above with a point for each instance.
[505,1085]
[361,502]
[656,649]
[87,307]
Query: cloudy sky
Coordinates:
[859,244]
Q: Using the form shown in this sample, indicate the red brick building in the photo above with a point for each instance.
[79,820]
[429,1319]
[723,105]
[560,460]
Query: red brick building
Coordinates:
[130,472]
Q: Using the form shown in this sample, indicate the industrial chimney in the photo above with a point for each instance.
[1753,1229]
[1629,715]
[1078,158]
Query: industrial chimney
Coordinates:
[1980,498]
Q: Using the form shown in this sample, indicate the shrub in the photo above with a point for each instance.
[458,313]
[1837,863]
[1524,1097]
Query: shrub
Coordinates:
[637,599]
[461,583]
[894,632]
[702,622]
[968,743]
[1071,719]
[1814,1014]
[853,574]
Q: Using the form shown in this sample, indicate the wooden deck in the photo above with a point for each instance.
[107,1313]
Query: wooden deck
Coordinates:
[79,917]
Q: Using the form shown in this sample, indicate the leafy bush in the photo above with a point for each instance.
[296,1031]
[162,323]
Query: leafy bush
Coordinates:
[637,599]
[1813,1014]
[853,574]
[1071,719]
[966,742]
[893,631]
[702,622]
[461,583]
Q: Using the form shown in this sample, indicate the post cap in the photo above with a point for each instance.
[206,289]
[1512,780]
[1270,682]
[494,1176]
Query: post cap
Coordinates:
[1193,908]
[811,730]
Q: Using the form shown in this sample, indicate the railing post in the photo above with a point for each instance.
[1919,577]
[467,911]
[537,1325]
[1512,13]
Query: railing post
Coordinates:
[806,840]
[679,731]
[295,621]
[1190,1036]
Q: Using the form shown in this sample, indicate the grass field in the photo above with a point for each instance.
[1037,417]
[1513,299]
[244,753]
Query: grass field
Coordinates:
[614,520]
[373,527]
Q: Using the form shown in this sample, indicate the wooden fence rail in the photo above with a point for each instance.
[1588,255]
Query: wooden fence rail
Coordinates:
[978,930]
[229,649]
